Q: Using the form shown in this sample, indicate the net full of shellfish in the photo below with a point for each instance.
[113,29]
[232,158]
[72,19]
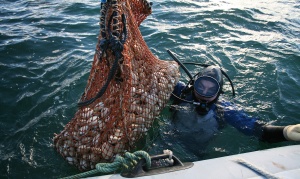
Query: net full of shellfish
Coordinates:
[127,89]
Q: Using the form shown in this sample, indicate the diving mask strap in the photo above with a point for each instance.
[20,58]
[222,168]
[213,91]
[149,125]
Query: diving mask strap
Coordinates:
[225,74]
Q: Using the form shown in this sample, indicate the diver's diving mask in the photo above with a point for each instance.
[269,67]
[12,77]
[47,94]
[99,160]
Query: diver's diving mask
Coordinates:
[206,88]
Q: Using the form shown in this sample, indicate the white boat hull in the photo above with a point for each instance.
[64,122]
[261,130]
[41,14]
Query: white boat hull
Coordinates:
[282,162]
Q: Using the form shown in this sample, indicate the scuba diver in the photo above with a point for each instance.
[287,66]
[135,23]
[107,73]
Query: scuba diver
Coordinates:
[198,111]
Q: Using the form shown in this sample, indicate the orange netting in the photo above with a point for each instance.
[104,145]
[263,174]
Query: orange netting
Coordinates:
[111,123]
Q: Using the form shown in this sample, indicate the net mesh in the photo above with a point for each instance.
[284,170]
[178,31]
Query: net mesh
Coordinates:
[111,123]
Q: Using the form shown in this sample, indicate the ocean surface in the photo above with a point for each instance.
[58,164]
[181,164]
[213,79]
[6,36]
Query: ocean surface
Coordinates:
[46,53]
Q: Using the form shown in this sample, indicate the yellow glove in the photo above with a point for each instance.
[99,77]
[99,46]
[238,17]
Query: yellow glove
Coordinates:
[292,132]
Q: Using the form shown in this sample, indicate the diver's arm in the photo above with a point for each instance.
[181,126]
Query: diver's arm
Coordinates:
[269,133]
[252,126]
[280,133]
[237,117]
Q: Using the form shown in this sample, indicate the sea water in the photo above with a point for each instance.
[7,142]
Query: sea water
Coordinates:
[46,53]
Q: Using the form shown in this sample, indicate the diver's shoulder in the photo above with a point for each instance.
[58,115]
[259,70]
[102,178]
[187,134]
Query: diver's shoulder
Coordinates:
[223,102]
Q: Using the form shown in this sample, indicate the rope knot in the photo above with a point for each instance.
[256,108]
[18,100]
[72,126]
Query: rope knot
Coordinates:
[116,44]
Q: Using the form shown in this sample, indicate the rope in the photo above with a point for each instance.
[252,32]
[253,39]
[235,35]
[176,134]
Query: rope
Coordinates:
[104,87]
[127,162]
[256,169]
[116,46]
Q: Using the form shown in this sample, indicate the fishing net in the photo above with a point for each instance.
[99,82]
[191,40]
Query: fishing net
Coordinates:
[127,89]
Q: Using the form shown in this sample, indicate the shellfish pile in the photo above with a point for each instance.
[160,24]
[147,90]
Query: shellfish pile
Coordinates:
[114,122]
[97,135]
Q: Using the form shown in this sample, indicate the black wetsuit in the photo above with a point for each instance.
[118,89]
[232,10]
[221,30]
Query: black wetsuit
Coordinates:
[188,122]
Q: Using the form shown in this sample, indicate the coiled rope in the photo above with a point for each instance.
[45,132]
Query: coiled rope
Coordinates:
[127,162]
[256,169]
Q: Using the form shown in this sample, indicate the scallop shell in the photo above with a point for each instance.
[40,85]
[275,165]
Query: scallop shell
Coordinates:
[130,117]
[139,120]
[146,110]
[137,109]
[65,153]
[119,147]
[86,113]
[72,151]
[83,130]
[170,87]
[142,75]
[161,86]
[118,132]
[107,150]
[144,95]
[152,99]
[133,90]
[134,79]
[104,112]
[113,139]
[107,119]
[85,156]
[158,74]
[86,140]
[84,164]
[82,149]
[67,143]
[96,140]
[94,157]
[134,107]
[99,106]
[92,121]
[101,125]
[75,135]
[71,160]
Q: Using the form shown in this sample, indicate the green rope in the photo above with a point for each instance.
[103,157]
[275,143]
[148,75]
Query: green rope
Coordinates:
[123,163]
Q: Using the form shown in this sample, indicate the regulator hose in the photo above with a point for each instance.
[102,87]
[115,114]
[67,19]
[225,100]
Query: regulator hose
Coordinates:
[181,64]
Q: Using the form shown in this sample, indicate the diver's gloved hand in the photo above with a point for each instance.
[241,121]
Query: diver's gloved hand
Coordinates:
[292,132]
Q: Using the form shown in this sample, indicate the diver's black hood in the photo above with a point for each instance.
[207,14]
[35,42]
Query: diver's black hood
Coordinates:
[213,71]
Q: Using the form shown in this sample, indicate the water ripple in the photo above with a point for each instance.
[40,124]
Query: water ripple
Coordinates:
[47,48]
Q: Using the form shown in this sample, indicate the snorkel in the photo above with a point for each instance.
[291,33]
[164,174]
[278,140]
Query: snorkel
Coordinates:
[212,75]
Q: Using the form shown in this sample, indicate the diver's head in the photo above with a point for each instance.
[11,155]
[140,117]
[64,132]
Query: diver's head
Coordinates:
[208,84]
